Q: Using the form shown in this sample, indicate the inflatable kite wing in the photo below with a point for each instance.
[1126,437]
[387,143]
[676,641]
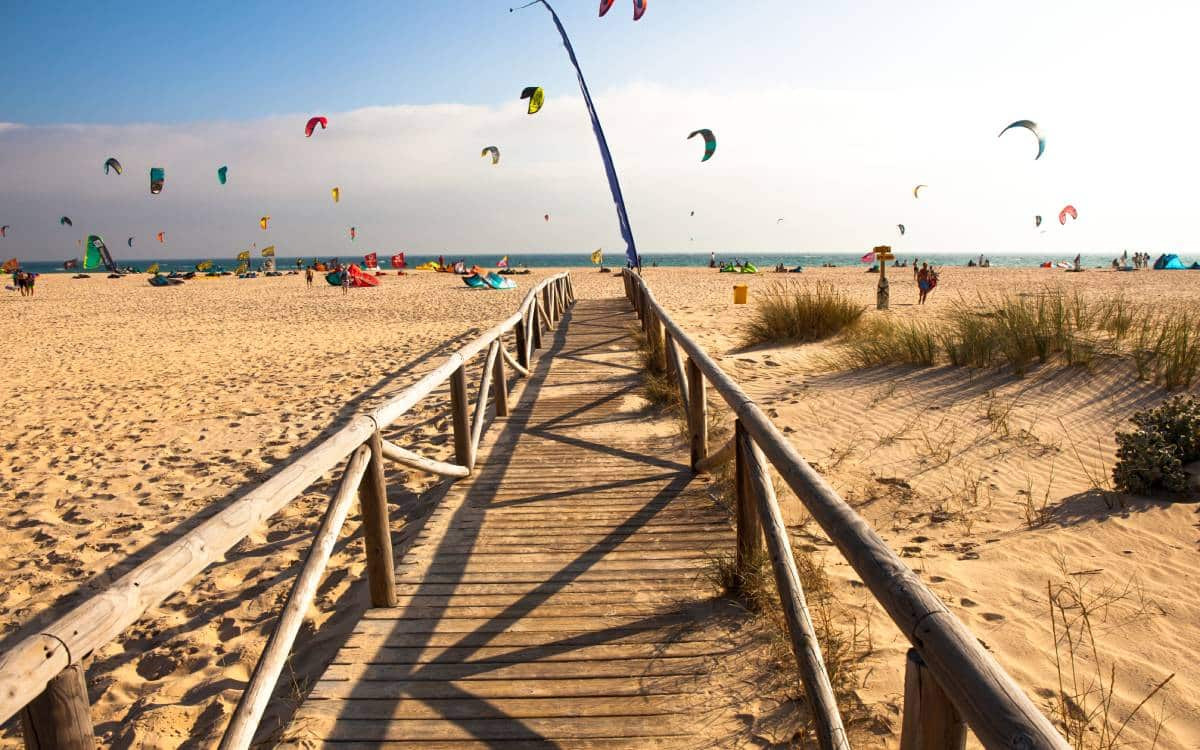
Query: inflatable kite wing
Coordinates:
[222,174]
[536,96]
[917,190]
[1067,211]
[710,142]
[494,151]
[337,194]
[263,222]
[1032,127]
[312,125]
[112,164]
[66,221]
[901,228]
[158,176]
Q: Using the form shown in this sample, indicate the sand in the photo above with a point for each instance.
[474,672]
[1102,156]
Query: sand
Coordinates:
[132,411]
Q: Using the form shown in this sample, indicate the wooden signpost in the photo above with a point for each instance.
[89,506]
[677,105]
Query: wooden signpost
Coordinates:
[883,253]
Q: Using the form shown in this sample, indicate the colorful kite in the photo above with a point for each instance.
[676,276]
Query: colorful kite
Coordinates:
[112,164]
[495,152]
[1032,127]
[1067,211]
[222,174]
[312,125]
[262,223]
[536,96]
[337,194]
[710,142]
[917,189]
[158,176]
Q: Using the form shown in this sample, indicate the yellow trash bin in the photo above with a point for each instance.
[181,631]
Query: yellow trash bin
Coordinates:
[741,293]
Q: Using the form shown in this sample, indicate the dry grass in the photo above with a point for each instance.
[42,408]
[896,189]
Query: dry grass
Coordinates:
[1049,327]
[1084,699]
[657,386]
[790,311]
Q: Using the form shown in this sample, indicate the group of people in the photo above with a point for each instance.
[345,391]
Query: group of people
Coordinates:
[1140,260]
[23,280]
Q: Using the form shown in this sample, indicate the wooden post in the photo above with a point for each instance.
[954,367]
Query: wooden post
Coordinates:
[749,530]
[697,414]
[536,312]
[60,717]
[377,528]
[930,720]
[522,350]
[461,417]
[500,384]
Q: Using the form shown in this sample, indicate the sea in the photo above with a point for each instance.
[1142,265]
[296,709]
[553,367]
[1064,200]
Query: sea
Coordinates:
[764,261]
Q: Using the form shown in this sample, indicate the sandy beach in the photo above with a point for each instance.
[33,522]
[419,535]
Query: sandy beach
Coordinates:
[132,412]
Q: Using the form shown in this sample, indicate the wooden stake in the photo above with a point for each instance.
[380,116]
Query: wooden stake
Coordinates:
[522,347]
[461,418]
[697,414]
[499,383]
[60,718]
[930,720]
[377,528]
[749,530]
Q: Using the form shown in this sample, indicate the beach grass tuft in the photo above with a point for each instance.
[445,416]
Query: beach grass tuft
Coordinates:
[791,312]
[884,341]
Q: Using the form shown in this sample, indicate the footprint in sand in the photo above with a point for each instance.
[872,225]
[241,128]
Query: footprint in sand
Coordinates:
[992,616]
[967,602]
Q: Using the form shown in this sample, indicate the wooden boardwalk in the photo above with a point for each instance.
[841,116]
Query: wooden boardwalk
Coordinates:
[557,597]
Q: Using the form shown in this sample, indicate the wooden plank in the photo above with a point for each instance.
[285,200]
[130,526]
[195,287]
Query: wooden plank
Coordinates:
[500,381]
[379,624]
[508,671]
[507,729]
[513,708]
[930,720]
[658,638]
[464,452]
[496,689]
[412,460]
[379,652]
[697,413]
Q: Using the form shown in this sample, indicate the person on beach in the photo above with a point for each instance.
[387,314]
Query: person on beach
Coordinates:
[916,270]
[712,259]
[346,281]
[923,283]
[308,276]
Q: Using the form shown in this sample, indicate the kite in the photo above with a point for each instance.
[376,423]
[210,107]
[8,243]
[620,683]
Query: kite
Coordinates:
[158,176]
[693,213]
[129,242]
[162,236]
[112,164]
[495,152]
[268,251]
[66,221]
[353,233]
[153,268]
[337,194]
[779,221]
[917,189]
[536,96]
[244,255]
[547,217]
[312,125]
[398,260]
[204,265]
[1032,127]
[901,226]
[1037,221]
[598,257]
[97,253]
[4,230]
[222,174]
[710,142]
[1067,211]
[639,8]
[262,223]
[70,264]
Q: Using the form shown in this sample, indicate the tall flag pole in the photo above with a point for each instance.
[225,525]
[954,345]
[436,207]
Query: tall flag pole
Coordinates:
[631,253]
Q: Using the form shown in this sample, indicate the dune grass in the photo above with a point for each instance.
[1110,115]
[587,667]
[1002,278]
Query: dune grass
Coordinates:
[792,312]
[1050,327]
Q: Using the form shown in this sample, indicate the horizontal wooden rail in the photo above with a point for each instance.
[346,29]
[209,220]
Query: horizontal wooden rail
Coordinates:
[428,465]
[32,664]
[993,705]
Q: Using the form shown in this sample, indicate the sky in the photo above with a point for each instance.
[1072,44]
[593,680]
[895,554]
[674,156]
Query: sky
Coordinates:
[827,114]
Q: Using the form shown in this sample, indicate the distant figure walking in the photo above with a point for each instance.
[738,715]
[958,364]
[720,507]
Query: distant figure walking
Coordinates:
[308,275]
[916,270]
[346,281]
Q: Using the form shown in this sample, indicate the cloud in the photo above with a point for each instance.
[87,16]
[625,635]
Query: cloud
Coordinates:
[838,166]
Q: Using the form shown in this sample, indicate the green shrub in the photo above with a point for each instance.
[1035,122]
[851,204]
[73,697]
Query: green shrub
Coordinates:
[1152,456]
[793,312]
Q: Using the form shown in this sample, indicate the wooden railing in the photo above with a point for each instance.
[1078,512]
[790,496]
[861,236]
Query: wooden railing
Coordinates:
[950,678]
[42,676]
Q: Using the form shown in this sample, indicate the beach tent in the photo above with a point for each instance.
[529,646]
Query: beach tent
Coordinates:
[1169,262]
